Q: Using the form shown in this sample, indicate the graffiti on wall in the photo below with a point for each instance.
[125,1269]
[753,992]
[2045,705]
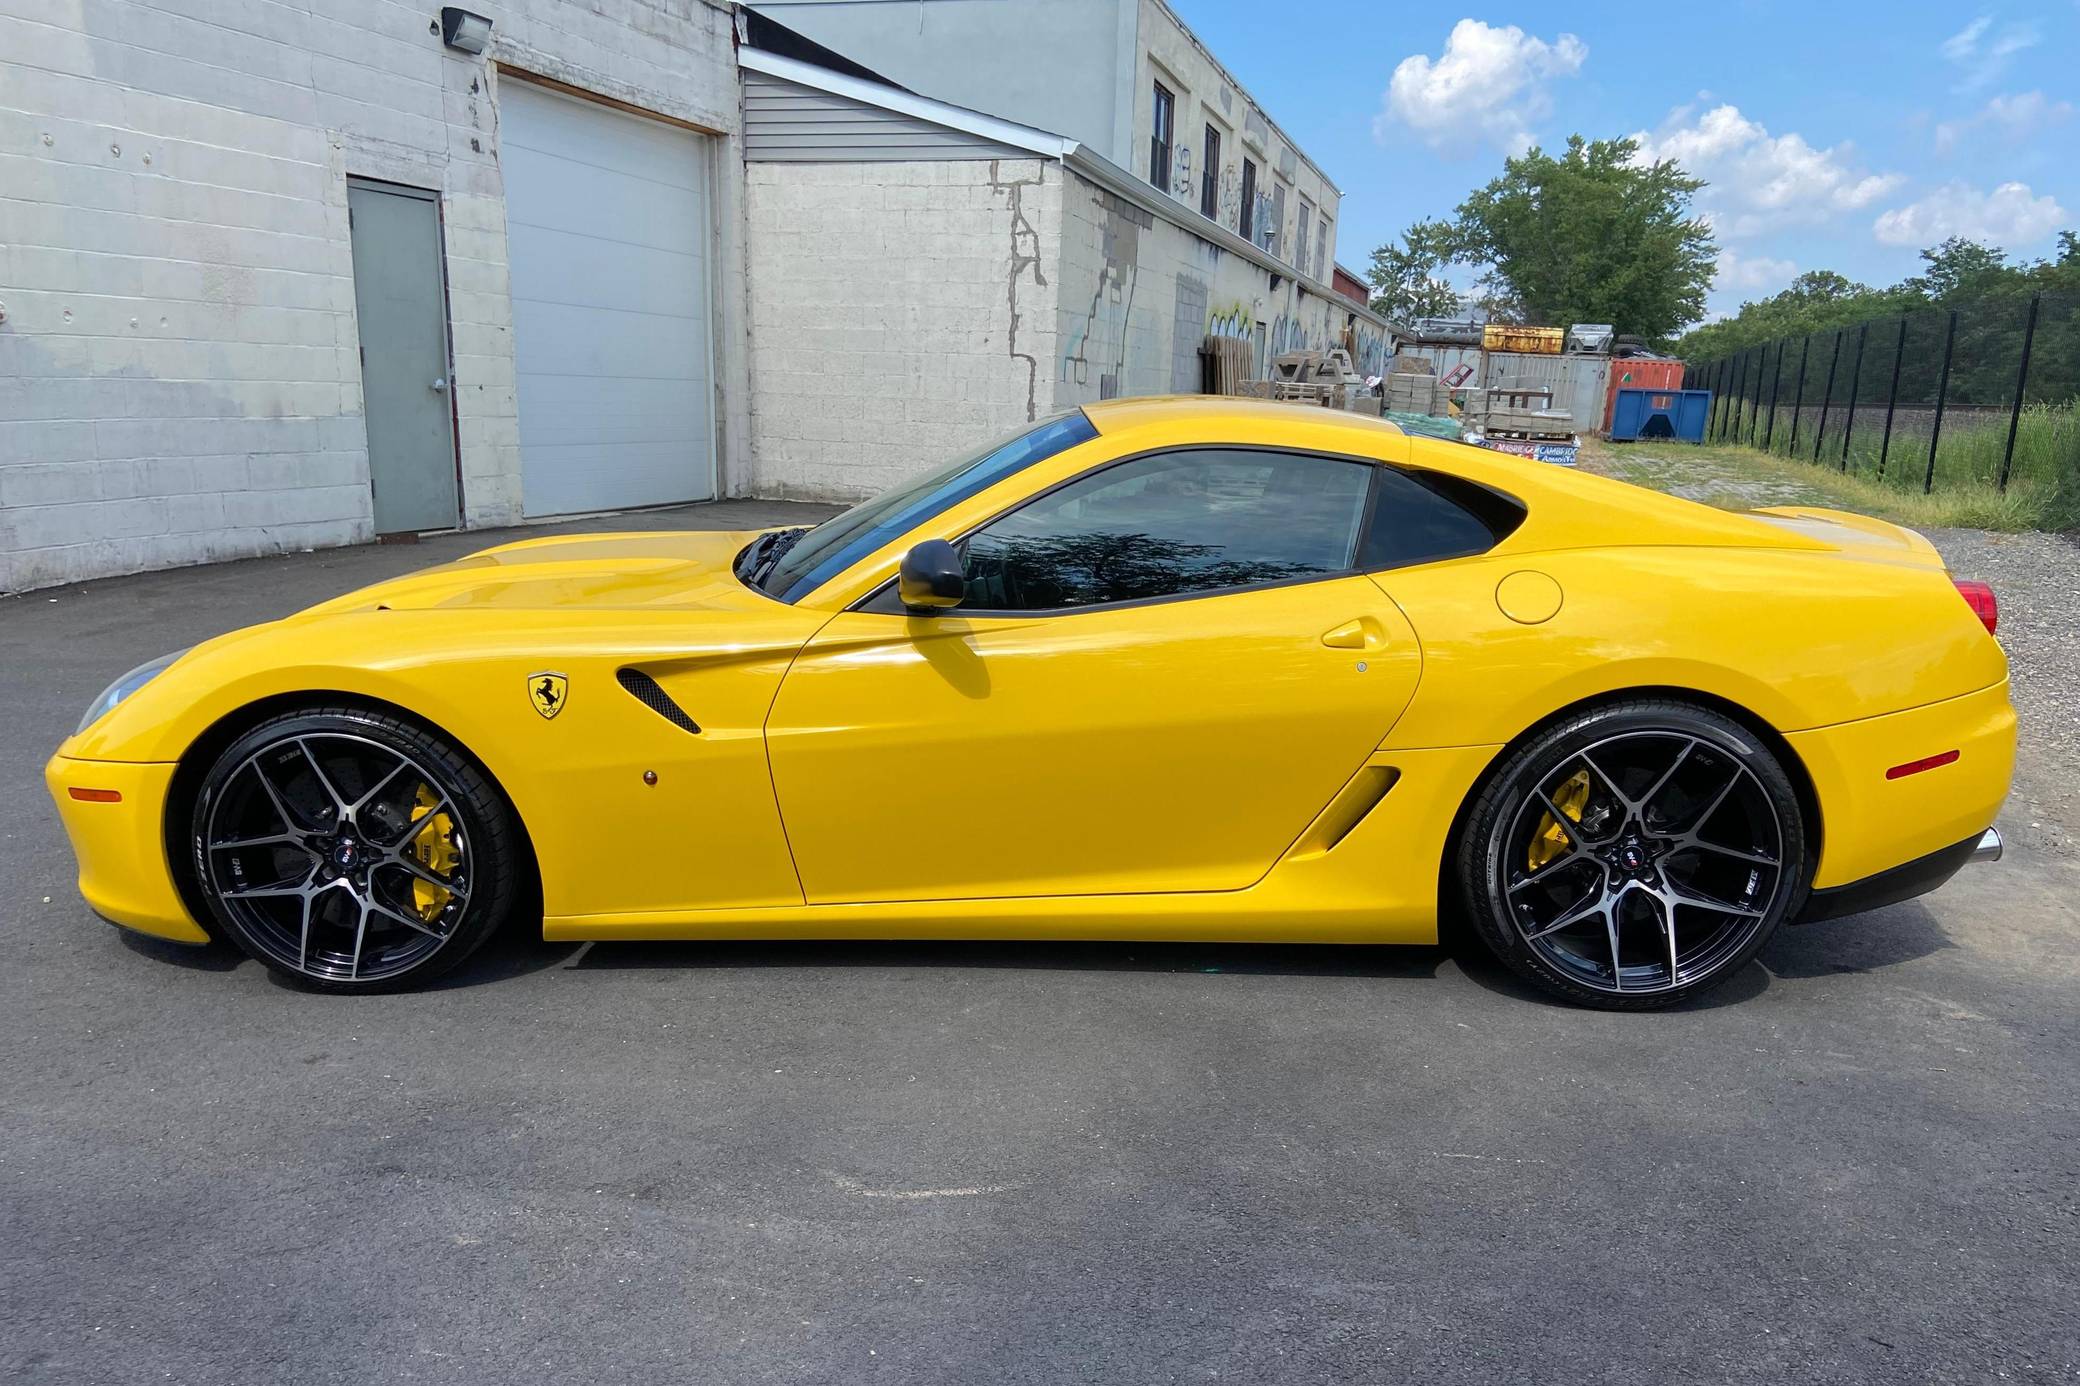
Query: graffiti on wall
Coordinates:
[1101,337]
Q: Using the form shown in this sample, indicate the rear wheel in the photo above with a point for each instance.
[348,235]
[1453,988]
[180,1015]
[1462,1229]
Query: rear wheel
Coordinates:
[352,850]
[1635,855]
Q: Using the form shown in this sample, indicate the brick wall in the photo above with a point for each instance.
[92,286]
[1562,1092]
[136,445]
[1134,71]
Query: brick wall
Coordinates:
[178,370]
[900,314]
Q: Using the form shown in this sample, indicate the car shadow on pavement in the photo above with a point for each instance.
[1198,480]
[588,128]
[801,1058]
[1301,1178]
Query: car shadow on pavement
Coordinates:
[1856,943]
[1250,959]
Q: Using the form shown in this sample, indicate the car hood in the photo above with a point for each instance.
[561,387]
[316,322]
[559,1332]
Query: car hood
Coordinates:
[680,570]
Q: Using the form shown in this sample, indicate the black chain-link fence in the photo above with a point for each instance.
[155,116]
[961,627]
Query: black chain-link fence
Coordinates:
[1983,395]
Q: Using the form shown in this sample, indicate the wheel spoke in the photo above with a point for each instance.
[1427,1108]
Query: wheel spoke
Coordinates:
[1697,823]
[268,839]
[1562,821]
[380,786]
[1610,781]
[1692,842]
[274,796]
[1600,901]
[432,878]
[281,890]
[360,932]
[1551,869]
[1646,800]
[404,917]
[1688,895]
[339,803]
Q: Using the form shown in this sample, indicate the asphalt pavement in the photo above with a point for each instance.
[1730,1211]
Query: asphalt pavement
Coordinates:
[985,1163]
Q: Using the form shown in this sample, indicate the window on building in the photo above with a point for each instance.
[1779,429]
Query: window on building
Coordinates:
[1210,175]
[1322,267]
[1176,524]
[1247,225]
[1277,227]
[1161,134]
[1306,224]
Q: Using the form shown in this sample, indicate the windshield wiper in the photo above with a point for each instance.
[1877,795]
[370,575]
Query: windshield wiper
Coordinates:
[768,551]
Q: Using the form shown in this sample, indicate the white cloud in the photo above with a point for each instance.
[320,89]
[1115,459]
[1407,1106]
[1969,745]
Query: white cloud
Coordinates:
[1753,274]
[1981,53]
[1756,180]
[2019,117]
[1489,83]
[2010,217]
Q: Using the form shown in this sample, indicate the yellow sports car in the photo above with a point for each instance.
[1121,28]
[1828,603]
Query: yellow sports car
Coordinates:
[1153,669]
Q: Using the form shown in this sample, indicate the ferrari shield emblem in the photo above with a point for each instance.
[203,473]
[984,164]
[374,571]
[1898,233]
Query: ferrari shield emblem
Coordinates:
[547,692]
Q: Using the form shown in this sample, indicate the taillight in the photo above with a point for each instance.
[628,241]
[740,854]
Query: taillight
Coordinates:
[1979,597]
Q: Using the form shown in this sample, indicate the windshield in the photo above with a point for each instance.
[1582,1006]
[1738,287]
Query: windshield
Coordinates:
[805,560]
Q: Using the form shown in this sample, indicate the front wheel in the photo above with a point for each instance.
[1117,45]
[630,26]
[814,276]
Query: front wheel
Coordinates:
[1635,855]
[353,851]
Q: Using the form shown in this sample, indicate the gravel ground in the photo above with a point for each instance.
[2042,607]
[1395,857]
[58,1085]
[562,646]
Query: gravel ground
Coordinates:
[2036,577]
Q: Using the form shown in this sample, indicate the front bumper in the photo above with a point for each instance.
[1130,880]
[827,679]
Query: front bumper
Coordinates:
[120,843]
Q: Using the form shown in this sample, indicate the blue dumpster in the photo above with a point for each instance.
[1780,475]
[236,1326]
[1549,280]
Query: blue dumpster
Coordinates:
[1677,415]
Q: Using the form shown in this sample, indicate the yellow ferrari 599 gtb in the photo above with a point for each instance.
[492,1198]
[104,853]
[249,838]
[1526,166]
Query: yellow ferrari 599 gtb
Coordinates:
[1153,669]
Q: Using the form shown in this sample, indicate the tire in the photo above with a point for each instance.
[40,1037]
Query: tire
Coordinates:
[1599,828]
[353,851]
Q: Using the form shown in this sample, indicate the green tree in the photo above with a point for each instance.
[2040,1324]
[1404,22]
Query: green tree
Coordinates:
[1594,235]
[1408,280]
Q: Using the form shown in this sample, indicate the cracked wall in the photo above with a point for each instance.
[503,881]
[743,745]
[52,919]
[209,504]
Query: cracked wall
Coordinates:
[901,313]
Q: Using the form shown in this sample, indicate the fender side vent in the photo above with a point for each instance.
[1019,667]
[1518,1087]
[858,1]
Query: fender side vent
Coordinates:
[651,694]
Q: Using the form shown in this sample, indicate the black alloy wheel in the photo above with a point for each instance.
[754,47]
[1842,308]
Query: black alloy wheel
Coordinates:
[352,851]
[1635,855]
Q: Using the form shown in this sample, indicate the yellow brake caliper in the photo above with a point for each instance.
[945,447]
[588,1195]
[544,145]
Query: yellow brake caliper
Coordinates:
[1551,840]
[433,845]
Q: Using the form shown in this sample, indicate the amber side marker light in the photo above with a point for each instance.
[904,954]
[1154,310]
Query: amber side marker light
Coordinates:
[95,796]
[1979,597]
[1915,767]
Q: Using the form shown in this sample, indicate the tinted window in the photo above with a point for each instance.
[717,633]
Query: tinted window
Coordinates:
[1424,517]
[1176,523]
[846,538]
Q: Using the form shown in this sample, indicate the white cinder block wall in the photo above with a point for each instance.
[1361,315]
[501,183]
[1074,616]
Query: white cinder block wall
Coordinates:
[179,379]
[902,313]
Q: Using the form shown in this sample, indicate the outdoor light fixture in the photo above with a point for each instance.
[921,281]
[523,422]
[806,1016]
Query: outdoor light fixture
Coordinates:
[460,29]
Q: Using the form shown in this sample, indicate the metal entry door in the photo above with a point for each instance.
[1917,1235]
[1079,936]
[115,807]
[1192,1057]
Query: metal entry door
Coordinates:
[401,309]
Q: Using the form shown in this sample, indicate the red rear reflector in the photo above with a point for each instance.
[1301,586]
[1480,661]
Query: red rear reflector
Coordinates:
[95,796]
[1979,597]
[1915,767]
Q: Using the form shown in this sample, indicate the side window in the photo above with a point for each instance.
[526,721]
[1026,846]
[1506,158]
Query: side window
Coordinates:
[1427,516]
[1173,524]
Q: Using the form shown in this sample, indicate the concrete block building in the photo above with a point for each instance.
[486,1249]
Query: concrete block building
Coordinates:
[279,277]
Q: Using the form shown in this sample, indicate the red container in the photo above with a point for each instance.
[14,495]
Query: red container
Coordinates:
[1639,373]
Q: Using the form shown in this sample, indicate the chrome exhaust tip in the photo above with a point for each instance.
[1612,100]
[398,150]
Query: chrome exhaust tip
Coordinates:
[1989,848]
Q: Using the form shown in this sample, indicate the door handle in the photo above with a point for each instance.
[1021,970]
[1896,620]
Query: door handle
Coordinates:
[440,385]
[1361,634]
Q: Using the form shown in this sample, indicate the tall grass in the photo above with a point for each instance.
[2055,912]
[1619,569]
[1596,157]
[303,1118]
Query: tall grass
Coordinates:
[2043,490]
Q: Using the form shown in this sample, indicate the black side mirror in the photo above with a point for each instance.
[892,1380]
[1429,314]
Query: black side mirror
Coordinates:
[933,576]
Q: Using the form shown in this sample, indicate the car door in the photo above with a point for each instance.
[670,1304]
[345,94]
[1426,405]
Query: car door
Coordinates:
[1162,671]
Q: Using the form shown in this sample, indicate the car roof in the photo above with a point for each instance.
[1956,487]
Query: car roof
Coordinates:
[1119,415]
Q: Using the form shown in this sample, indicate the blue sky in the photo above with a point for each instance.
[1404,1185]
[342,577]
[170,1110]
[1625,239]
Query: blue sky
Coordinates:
[1838,136]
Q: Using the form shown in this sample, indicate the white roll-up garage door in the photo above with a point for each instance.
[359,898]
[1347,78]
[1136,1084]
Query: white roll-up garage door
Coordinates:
[607,231]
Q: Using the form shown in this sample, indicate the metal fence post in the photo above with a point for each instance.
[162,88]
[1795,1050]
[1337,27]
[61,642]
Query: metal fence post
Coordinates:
[1719,369]
[1820,432]
[1899,354]
[1755,414]
[2029,337]
[1798,409]
[1935,433]
[1740,390]
[1776,382]
[1855,379]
